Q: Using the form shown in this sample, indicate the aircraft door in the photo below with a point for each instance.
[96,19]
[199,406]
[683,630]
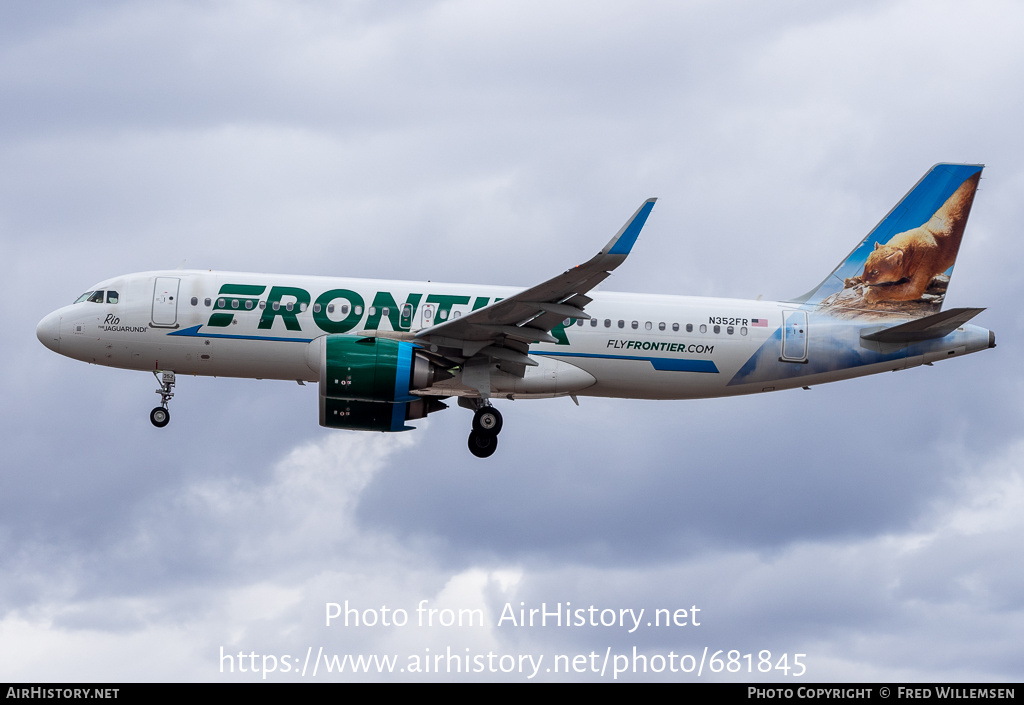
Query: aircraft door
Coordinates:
[794,336]
[165,302]
[405,316]
[426,315]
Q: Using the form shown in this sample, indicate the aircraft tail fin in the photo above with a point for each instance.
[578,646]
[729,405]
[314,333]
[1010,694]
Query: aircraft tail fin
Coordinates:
[904,264]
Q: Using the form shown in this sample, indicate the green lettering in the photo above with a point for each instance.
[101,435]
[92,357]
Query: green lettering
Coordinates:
[384,300]
[276,307]
[559,332]
[445,303]
[228,292]
[328,324]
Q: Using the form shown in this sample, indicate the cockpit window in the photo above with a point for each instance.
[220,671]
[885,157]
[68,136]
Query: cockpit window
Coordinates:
[97,297]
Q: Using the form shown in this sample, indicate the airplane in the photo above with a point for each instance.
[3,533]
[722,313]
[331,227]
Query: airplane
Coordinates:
[384,353]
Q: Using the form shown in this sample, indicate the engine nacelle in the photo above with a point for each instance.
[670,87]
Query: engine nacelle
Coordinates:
[366,383]
[375,415]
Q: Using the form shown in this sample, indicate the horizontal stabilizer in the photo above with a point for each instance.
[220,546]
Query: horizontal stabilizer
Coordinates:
[938,325]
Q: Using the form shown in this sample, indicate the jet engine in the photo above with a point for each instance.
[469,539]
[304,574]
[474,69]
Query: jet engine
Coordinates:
[367,383]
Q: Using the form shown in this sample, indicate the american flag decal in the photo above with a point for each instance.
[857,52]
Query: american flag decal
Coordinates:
[759,322]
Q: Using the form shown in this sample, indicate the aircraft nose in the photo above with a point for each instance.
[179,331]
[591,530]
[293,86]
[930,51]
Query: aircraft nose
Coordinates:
[48,331]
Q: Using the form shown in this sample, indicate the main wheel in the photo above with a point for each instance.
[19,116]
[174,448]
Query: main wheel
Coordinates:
[487,419]
[482,444]
[160,417]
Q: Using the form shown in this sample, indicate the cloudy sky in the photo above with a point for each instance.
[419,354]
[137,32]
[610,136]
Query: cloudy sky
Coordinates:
[872,525]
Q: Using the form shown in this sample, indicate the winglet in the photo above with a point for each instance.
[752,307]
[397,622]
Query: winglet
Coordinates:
[623,241]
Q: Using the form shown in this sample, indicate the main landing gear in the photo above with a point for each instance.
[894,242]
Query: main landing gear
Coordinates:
[160,416]
[483,439]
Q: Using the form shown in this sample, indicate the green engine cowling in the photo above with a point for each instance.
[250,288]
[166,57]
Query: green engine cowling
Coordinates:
[366,384]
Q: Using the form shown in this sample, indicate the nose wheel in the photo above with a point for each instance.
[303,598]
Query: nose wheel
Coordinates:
[483,439]
[160,416]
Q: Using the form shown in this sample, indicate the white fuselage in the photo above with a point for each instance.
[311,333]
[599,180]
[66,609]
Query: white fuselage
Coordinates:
[635,346]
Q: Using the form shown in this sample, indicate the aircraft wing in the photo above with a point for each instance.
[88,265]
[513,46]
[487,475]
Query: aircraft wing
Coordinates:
[503,331]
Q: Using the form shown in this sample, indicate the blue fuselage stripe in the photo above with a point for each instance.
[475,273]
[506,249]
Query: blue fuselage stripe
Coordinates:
[193,332]
[665,364]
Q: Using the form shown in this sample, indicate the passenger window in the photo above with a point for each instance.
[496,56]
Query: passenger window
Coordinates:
[330,308]
[729,330]
[648,325]
[206,302]
[635,325]
[607,323]
[290,305]
[743,330]
[263,305]
[689,327]
[344,309]
[302,307]
[718,329]
[195,300]
[372,310]
[703,328]
[276,306]
[593,323]
[234,303]
[622,323]
[579,322]
[111,297]
[221,303]
[661,326]
[316,308]
[248,304]
[406,310]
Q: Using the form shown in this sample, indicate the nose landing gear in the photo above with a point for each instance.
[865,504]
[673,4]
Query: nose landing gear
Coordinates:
[160,416]
[483,439]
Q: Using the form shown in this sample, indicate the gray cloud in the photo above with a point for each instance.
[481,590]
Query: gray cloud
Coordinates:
[871,524]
